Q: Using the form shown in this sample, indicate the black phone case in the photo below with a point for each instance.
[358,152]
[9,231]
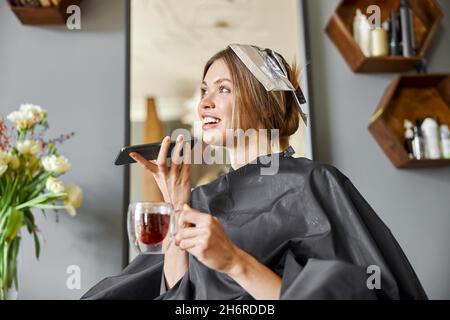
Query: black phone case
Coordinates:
[148,151]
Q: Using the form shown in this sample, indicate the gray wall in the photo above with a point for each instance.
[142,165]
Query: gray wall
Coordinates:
[415,204]
[79,77]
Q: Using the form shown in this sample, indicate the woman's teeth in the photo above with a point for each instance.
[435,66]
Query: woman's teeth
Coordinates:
[208,120]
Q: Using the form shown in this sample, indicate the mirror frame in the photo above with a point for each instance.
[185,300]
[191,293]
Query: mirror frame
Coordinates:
[304,52]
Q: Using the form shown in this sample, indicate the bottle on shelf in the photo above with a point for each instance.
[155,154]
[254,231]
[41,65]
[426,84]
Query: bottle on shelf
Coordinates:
[417,143]
[407,28]
[445,141]
[430,131]
[394,37]
[409,137]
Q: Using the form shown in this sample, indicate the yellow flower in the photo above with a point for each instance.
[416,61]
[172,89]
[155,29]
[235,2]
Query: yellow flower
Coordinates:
[27,116]
[29,147]
[15,162]
[56,164]
[54,185]
[3,168]
[6,159]
[74,199]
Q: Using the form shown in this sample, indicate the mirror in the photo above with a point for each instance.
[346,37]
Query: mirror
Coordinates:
[170,41]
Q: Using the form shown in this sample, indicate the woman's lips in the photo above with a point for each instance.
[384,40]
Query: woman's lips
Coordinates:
[207,126]
[210,122]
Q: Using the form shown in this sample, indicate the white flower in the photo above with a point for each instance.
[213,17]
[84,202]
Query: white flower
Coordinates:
[27,116]
[34,110]
[54,185]
[29,147]
[74,199]
[21,120]
[56,164]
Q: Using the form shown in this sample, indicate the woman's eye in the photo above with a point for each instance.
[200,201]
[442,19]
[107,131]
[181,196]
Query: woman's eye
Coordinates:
[224,89]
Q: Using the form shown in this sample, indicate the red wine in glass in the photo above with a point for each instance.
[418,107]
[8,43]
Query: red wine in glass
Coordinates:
[152,228]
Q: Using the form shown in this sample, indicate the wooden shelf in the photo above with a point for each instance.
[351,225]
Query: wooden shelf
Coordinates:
[412,97]
[44,16]
[427,18]
[427,163]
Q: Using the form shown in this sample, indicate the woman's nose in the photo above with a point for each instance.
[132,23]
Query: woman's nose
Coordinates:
[207,103]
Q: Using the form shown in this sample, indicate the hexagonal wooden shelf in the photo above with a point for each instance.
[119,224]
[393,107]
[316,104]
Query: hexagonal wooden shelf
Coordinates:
[427,18]
[43,15]
[414,98]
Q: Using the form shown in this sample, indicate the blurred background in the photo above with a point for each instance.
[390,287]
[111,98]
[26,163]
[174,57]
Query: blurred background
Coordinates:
[90,85]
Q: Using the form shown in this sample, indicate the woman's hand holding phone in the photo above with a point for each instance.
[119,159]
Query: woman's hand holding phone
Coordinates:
[175,185]
[174,180]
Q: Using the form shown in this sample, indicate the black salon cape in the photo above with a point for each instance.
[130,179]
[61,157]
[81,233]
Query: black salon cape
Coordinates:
[307,223]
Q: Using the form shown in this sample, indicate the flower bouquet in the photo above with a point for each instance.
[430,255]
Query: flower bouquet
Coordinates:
[30,168]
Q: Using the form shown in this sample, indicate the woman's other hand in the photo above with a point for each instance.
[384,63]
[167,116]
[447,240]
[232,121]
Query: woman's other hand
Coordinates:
[207,241]
[174,180]
[203,236]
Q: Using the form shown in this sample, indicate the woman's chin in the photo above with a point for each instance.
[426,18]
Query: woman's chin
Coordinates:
[213,137]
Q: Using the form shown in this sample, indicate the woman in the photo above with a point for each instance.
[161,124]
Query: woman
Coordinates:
[303,232]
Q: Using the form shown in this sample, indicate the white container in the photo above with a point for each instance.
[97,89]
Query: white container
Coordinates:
[379,42]
[445,141]
[362,32]
[430,131]
[356,23]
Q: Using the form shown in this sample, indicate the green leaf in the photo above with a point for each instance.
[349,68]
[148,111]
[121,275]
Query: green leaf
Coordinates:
[8,181]
[14,224]
[29,221]
[45,198]
[8,198]
[14,252]
[37,245]
[3,222]
[37,190]
[49,206]
[50,197]
[4,262]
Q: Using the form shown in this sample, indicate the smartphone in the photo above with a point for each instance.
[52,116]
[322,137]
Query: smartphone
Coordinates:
[149,151]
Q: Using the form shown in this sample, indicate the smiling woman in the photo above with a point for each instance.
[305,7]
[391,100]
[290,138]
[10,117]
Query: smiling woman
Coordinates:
[301,232]
[254,105]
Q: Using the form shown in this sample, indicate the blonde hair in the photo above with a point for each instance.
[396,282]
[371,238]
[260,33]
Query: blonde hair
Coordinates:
[255,107]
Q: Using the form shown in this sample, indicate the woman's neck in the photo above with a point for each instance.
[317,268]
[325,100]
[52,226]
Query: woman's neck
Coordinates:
[244,153]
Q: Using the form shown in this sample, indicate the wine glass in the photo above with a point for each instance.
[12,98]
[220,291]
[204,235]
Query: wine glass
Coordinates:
[151,226]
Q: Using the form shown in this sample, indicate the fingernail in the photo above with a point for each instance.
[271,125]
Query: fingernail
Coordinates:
[132,154]
[180,138]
